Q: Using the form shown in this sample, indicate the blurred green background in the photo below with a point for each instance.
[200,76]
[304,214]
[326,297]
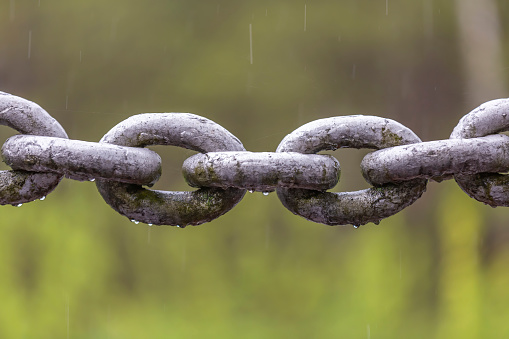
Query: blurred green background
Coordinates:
[70,267]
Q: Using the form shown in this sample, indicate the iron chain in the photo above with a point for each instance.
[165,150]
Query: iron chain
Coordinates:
[398,168]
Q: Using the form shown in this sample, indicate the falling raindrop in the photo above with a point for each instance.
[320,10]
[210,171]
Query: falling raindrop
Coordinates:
[92,180]
[29,43]
[267,236]
[305,17]
[67,313]
[184,256]
[251,43]
[356,226]
[12,10]
[400,264]
[44,197]
[19,205]
[265,193]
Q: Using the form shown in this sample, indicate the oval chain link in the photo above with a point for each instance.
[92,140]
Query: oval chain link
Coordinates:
[261,171]
[489,118]
[17,187]
[92,161]
[169,207]
[437,160]
[357,208]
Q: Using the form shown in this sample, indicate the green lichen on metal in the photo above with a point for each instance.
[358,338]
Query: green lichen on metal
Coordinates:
[270,179]
[355,208]
[17,187]
[168,207]
[239,177]
[390,139]
[489,188]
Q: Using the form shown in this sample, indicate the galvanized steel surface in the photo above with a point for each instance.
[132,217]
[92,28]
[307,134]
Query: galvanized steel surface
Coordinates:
[17,187]
[168,207]
[357,208]
[491,117]
[262,171]
[398,169]
[82,160]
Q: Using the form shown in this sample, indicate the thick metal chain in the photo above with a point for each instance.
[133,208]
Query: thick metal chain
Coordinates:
[398,169]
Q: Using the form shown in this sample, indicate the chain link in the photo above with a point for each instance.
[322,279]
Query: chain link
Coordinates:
[168,207]
[263,171]
[357,208]
[398,168]
[82,160]
[489,188]
[17,187]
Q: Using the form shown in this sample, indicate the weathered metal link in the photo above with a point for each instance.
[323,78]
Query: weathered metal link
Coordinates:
[357,208]
[17,187]
[489,118]
[263,171]
[353,131]
[82,160]
[437,160]
[166,207]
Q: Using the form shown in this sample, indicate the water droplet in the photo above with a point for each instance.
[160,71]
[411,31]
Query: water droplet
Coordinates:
[19,205]
[356,226]
[251,191]
[44,197]
[93,179]
[135,221]
[265,193]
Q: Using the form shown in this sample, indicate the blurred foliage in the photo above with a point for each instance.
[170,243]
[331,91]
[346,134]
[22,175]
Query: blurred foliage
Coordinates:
[70,267]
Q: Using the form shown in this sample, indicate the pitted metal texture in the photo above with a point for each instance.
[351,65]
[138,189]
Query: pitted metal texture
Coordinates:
[475,155]
[169,207]
[82,160]
[485,186]
[17,187]
[262,171]
[360,207]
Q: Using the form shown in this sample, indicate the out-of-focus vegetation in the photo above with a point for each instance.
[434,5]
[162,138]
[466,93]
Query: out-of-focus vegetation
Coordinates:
[71,267]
